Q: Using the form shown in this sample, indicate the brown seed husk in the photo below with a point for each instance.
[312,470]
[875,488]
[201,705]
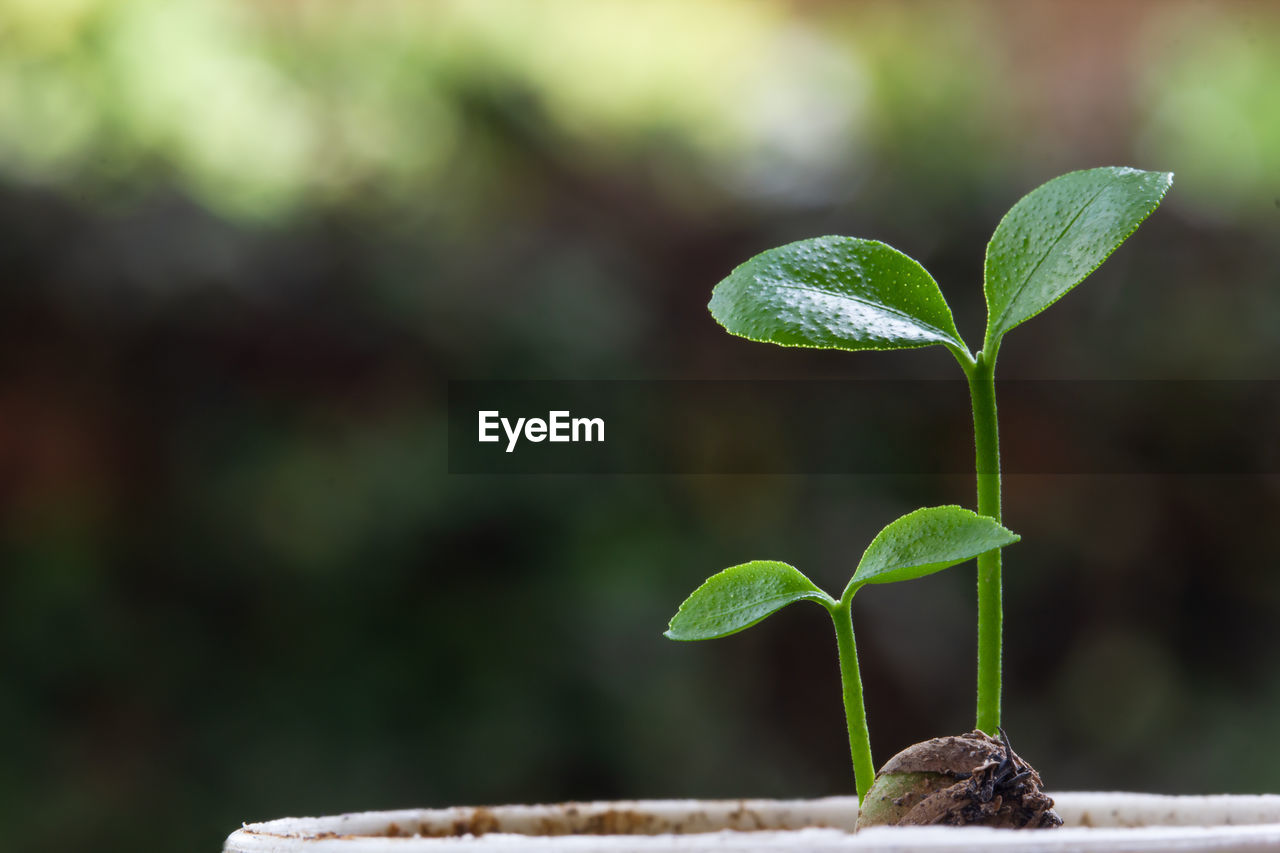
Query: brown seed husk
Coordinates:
[963,780]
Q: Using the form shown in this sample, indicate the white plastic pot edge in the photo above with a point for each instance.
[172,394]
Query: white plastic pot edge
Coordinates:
[1120,822]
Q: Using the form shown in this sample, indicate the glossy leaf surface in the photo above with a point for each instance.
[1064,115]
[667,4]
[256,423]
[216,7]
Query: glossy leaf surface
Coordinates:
[739,597]
[835,293]
[1059,233]
[929,540]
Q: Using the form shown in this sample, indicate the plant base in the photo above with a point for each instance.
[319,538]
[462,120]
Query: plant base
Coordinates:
[965,780]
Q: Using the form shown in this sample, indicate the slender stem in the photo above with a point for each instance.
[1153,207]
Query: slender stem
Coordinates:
[982,390]
[855,712]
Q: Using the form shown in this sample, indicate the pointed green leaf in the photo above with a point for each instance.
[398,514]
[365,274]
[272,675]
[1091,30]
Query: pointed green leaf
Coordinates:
[1058,234]
[739,597]
[835,293]
[927,541]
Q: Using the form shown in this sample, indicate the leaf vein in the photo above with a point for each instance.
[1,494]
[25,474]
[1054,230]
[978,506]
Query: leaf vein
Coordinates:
[867,302]
[787,598]
[1048,250]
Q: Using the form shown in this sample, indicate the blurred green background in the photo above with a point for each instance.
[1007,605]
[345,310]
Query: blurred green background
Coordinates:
[243,246]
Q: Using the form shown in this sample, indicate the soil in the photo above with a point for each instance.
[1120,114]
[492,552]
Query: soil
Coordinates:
[568,820]
[963,780]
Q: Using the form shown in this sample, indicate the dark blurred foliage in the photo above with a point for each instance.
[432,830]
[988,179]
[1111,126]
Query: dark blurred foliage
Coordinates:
[243,247]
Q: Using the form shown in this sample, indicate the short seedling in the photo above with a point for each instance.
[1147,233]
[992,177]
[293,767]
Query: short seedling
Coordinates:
[853,294]
[917,544]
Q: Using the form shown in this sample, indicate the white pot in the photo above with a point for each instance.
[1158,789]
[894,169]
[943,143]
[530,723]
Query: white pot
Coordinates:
[1093,822]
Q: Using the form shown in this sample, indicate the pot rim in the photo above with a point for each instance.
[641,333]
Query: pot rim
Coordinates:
[1095,821]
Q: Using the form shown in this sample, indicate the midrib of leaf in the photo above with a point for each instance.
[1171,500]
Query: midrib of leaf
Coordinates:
[879,306]
[809,596]
[1018,290]
[907,565]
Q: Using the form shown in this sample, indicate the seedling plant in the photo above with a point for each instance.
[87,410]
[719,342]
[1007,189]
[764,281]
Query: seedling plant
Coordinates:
[855,294]
[917,544]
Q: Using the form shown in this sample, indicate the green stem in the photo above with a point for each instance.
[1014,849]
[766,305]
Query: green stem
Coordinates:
[855,712]
[982,391]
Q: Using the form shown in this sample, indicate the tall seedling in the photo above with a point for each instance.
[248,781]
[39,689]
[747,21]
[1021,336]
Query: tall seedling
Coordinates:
[853,294]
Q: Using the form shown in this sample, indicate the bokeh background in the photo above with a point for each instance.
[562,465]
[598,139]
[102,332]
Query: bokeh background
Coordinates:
[244,245]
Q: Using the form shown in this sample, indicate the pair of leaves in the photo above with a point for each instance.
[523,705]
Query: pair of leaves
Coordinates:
[848,293]
[917,544]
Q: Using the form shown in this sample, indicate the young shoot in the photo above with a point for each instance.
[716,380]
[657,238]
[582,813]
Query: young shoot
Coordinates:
[917,544]
[853,294]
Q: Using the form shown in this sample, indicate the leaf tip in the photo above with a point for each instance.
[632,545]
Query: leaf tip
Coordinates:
[673,632]
[1166,181]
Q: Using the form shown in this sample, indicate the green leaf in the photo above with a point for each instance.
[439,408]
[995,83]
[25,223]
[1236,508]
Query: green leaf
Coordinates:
[835,293]
[927,541]
[1058,234]
[739,597]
